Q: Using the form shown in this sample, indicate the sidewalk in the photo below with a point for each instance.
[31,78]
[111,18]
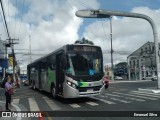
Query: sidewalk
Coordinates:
[2,107]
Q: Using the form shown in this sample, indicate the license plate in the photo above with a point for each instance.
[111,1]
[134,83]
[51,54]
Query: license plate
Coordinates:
[90,90]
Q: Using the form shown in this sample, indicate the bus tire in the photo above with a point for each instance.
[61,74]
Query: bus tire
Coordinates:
[53,91]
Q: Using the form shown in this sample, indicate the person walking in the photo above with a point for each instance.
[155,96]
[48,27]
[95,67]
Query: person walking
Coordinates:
[8,87]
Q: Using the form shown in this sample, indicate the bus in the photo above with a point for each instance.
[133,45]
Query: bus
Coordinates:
[72,71]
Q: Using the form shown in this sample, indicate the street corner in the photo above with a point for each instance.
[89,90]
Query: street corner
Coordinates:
[2,106]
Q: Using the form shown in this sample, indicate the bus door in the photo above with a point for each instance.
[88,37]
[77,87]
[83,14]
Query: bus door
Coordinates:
[59,73]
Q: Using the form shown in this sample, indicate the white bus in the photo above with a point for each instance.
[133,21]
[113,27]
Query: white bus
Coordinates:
[72,71]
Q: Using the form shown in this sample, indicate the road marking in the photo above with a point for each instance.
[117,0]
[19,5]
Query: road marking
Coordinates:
[33,104]
[130,98]
[123,101]
[91,103]
[102,100]
[74,105]
[16,107]
[116,99]
[144,94]
[154,94]
[51,104]
[15,101]
[135,96]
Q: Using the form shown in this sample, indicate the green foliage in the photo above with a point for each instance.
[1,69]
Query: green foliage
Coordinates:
[84,41]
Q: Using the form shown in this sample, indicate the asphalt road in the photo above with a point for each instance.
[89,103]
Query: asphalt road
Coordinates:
[121,99]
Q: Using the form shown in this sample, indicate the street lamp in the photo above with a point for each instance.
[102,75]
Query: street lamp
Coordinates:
[107,13]
[111,48]
[95,14]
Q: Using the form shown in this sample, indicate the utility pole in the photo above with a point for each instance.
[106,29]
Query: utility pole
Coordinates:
[10,44]
[111,49]
[30,49]
[108,13]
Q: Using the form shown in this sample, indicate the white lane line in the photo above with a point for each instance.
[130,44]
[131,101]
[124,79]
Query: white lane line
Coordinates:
[116,99]
[147,92]
[92,103]
[120,100]
[16,107]
[135,96]
[15,101]
[146,95]
[129,98]
[33,104]
[154,94]
[51,104]
[102,100]
[74,105]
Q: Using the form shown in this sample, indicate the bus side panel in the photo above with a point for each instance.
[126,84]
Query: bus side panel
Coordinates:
[31,78]
[45,86]
[36,81]
[51,78]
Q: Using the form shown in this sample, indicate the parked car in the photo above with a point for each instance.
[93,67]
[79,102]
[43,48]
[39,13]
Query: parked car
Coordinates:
[150,77]
[118,78]
[106,81]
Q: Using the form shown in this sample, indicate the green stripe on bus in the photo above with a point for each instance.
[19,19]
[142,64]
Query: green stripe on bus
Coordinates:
[82,84]
[51,76]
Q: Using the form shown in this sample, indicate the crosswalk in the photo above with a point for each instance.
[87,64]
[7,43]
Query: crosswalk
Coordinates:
[111,98]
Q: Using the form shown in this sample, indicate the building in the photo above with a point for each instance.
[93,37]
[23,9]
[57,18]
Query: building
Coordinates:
[120,69]
[3,60]
[142,62]
[108,72]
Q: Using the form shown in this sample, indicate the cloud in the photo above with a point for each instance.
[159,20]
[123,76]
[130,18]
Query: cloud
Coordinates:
[128,33]
[50,25]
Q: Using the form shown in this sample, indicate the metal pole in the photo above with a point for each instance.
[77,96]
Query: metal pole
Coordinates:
[107,13]
[136,15]
[30,49]
[12,47]
[111,49]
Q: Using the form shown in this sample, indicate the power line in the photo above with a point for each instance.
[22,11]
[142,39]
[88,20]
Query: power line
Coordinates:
[4,19]
[21,16]
[3,23]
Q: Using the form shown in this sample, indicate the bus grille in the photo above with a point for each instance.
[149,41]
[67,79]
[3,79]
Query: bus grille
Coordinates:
[84,89]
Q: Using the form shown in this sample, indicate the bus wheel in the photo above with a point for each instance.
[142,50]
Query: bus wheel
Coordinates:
[53,91]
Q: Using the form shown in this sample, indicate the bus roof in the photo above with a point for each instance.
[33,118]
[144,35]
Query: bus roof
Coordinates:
[58,50]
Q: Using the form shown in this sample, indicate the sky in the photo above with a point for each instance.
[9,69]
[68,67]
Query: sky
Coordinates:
[46,25]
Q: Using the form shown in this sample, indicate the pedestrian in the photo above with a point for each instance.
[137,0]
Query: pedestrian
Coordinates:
[8,86]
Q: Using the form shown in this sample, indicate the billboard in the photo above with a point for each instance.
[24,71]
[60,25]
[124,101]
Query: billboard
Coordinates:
[3,64]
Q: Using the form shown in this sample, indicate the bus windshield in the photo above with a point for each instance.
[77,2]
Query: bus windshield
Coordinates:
[84,64]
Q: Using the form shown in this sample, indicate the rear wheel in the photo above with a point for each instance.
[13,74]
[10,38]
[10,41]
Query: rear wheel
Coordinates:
[152,79]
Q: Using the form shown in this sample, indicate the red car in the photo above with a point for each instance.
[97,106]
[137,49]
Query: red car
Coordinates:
[106,81]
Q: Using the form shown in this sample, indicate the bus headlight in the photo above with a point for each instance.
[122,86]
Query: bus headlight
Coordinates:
[71,84]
